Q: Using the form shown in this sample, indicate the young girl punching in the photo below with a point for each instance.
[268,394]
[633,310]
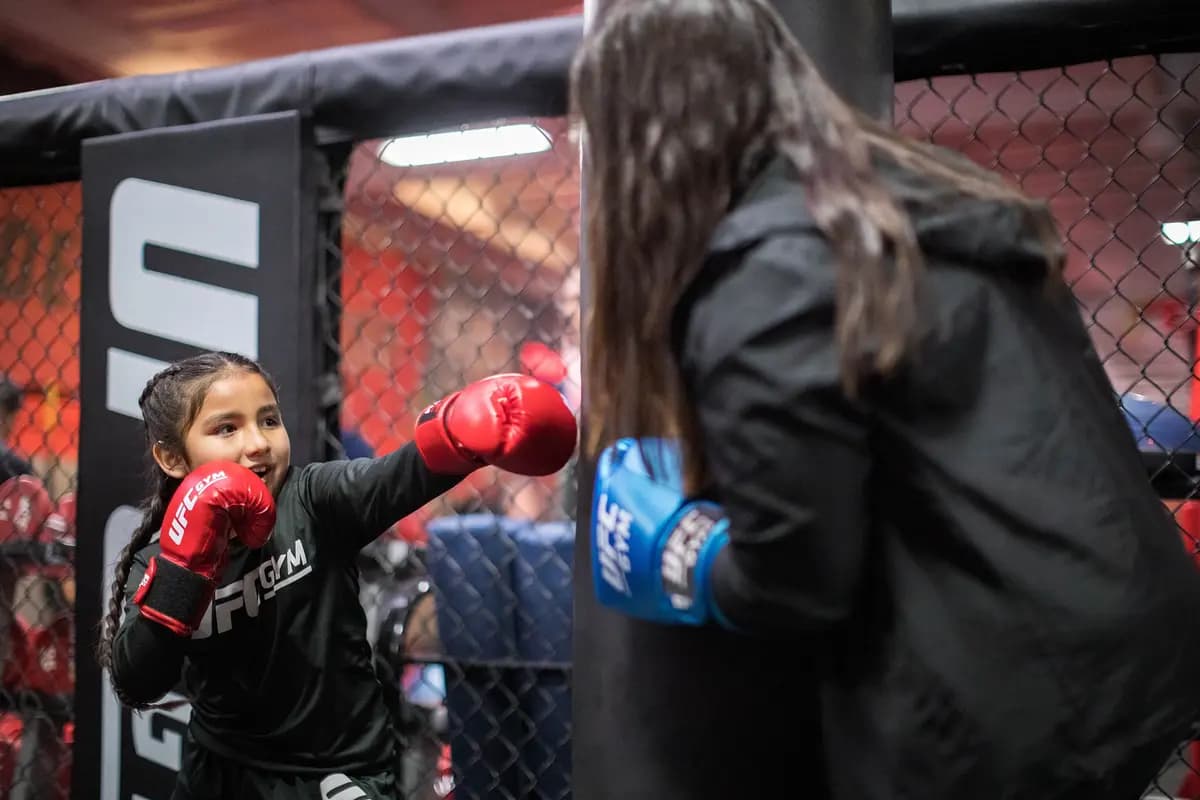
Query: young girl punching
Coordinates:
[241,578]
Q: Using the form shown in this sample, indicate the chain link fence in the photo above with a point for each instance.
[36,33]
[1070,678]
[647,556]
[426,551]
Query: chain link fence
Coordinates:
[458,260]
[1114,148]
[39,434]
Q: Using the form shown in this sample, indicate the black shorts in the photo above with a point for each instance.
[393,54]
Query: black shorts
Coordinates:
[204,775]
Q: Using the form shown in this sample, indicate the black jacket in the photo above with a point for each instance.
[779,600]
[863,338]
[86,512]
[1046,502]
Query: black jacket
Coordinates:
[1005,608]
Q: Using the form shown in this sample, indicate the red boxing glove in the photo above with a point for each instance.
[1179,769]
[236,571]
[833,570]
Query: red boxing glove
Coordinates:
[213,501]
[543,363]
[514,422]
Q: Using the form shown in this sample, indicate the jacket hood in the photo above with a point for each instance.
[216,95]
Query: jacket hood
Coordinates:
[949,226]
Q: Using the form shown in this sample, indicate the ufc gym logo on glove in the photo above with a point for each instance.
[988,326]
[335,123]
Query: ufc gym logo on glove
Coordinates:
[179,524]
[612,544]
[682,552]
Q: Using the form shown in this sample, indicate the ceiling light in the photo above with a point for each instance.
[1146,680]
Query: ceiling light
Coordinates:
[1182,232]
[467,145]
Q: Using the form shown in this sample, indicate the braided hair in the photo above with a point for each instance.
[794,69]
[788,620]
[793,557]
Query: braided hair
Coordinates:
[169,405]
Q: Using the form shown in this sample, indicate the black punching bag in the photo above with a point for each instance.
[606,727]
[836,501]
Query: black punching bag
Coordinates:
[677,713]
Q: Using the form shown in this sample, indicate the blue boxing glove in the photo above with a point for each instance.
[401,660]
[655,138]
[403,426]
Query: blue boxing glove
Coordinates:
[652,549]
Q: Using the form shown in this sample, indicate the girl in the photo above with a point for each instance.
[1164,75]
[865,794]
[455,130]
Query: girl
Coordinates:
[250,592]
[866,351]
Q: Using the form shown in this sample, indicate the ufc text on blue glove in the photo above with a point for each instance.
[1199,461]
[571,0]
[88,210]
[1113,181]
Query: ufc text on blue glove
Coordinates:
[652,548]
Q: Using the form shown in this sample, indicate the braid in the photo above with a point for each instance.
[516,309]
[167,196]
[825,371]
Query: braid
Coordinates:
[152,515]
[165,374]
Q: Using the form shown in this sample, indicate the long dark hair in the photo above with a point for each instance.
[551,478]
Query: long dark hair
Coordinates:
[169,405]
[681,103]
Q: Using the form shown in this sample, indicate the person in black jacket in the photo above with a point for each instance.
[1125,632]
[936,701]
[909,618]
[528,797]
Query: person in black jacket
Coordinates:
[249,597]
[898,445]
[11,464]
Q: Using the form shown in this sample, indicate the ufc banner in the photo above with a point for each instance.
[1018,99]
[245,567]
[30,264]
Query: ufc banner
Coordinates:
[195,238]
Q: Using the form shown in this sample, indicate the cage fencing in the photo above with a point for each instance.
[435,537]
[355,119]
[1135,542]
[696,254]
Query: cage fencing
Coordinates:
[450,271]
[39,380]
[1112,146]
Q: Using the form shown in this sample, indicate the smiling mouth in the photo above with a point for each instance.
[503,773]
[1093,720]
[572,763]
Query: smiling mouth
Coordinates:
[262,472]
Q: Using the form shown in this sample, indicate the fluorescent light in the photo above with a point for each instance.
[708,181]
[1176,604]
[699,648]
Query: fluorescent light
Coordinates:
[468,145]
[1181,232]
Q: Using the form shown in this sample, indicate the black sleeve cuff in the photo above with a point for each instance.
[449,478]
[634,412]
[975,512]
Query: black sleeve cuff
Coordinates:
[174,592]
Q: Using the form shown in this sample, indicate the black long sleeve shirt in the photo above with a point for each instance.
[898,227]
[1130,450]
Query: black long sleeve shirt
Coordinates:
[280,670]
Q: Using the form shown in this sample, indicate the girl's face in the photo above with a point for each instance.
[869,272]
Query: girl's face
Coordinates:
[240,422]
